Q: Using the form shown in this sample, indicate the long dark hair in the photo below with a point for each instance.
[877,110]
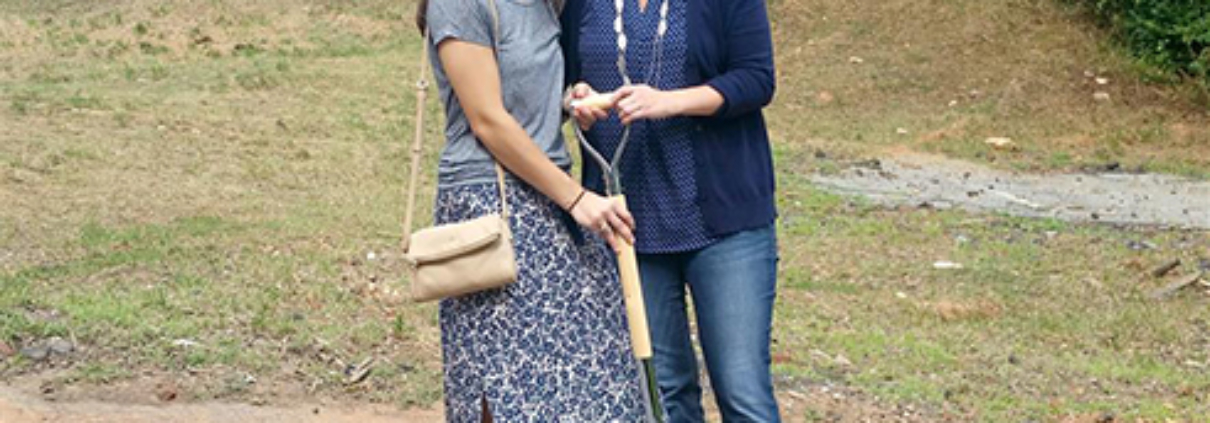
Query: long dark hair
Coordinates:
[422,8]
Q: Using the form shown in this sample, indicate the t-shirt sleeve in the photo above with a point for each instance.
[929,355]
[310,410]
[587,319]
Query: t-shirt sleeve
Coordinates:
[465,20]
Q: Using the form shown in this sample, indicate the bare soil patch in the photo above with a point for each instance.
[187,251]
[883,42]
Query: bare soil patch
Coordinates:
[1111,197]
[17,406]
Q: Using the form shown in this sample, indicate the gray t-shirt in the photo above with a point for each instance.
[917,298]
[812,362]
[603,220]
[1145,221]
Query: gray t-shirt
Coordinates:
[531,77]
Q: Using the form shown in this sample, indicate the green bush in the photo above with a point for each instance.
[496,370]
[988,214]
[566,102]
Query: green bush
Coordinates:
[1171,34]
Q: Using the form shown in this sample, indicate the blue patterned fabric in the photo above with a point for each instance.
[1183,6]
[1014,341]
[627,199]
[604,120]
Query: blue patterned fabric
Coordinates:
[657,168]
[730,47]
[554,345]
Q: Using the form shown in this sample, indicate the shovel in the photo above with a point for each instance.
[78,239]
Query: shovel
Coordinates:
[628,271]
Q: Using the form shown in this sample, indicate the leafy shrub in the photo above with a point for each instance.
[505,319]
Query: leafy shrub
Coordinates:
[1171,34]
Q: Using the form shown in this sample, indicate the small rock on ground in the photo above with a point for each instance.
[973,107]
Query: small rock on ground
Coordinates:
[36,353]
[60,346]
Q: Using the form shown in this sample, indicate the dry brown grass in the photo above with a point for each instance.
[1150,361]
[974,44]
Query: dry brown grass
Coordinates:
[953,73]
[167,187]
[950,311]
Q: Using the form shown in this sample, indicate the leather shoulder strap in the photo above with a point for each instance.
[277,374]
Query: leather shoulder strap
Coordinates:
[422,88]
[496,50]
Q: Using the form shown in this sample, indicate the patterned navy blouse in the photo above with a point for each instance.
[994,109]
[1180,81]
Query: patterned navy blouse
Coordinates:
[657,167]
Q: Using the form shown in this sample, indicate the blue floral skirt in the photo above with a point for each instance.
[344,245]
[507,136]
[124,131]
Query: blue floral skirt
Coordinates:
[553,346]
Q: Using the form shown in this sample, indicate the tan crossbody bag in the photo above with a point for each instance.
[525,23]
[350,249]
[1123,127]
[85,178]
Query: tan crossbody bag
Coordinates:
[459,258]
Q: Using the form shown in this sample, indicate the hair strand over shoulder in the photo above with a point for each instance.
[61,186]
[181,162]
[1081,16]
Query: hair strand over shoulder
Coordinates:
[422,7]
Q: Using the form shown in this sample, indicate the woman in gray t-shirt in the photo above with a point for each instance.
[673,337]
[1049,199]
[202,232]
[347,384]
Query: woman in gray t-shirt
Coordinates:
[553,346]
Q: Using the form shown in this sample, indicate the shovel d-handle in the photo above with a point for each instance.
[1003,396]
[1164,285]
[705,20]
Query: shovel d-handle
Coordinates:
[632,292]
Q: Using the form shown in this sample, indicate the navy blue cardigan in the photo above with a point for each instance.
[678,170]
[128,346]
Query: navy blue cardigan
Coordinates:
[731,50]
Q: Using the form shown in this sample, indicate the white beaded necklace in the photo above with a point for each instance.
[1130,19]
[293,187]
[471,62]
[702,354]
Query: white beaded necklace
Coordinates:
[653,69]
[620,30]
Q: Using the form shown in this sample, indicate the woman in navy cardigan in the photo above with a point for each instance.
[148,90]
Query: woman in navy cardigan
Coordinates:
[699,177]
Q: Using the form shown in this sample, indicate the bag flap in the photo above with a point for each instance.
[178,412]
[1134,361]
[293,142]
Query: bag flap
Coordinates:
[449,241]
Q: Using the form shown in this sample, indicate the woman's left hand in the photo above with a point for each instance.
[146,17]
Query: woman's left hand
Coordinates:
[636,102]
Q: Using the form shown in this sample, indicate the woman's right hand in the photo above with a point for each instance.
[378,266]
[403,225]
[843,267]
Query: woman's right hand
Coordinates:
[586,115]
[606,217]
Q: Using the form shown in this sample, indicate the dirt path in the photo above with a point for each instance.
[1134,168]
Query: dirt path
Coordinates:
[17,407]
[1146,199]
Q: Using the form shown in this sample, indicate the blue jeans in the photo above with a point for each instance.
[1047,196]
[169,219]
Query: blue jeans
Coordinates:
[733,284]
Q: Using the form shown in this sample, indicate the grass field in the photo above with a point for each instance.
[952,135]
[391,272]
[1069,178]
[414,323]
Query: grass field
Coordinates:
[209,192]
[861,78]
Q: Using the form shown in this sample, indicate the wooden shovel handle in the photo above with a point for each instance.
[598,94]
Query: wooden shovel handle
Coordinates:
[632,292]
[603,101]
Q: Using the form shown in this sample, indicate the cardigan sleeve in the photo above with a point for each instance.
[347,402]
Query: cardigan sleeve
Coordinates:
[569,40]
[748,80]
